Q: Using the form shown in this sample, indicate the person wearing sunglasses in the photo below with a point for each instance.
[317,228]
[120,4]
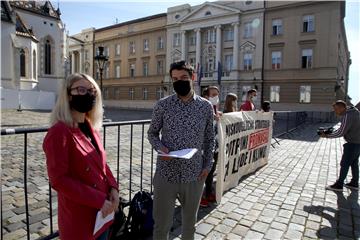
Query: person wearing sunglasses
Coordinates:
[76,159]
[185,120]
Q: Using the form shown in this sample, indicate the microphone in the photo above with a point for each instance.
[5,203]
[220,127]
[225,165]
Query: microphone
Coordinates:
[215,110]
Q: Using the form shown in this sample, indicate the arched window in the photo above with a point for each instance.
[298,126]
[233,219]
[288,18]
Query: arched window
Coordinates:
[34,64]
[47,57]
[22,63]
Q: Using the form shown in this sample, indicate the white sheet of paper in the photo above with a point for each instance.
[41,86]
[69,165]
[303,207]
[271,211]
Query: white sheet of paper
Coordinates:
[100,221]
[183,153]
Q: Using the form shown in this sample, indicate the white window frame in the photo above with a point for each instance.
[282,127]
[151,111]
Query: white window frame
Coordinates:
[310,20]
[146,45]
[275,60]
[228,64]
[305,94]
[277,28]
[132,70]
[160,45]
[160,66]
[248,30]
[275,93]
[117,71]
[145,94]
[308,53]
[132,47]
[117,49]
[131,93]
[159,93]
[248,61]
[192,39]
[145,69]
[176,39]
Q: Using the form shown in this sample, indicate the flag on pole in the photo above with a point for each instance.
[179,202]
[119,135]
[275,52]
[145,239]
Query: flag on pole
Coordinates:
[219,72]
[199,73]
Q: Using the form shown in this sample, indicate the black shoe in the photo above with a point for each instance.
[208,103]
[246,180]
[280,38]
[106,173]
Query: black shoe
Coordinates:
[352,186]
[335,187]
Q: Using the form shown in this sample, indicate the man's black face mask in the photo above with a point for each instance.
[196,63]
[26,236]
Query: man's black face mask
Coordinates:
[182,87]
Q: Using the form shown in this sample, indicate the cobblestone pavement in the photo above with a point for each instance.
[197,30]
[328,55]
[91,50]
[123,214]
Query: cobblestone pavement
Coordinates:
[284,199]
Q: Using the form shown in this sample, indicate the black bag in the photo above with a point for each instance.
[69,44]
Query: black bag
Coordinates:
[140,221]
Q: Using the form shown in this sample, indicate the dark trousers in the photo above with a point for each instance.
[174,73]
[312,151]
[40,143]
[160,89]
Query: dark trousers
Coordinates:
[350,158]
[210,177]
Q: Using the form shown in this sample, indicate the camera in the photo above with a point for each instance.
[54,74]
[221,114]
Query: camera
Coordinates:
[326,130]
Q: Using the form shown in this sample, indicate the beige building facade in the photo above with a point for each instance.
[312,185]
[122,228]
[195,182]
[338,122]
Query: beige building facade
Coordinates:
[134,75]
[306,57]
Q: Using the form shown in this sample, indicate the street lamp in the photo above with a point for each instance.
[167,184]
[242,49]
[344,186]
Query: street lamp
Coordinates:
[101,60]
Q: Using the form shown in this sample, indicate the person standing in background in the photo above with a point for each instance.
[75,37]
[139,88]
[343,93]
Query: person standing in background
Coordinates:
[230,103]
[249,105]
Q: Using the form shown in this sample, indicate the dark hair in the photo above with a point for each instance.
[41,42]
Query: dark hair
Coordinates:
[181,65]
[228,107]
[251,91]
[205,92]
[340,103]
[265,106]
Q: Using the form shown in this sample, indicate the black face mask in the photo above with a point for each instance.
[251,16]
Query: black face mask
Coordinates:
[182,87]
[82,103]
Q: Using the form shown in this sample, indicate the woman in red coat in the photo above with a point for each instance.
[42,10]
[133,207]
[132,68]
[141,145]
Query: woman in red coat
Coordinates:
[76,160]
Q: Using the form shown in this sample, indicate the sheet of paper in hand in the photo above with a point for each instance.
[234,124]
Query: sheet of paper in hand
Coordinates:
[183,153]
[101,224]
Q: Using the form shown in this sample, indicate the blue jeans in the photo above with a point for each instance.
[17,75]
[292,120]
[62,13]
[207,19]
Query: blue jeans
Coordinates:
[104,235]
[350,158]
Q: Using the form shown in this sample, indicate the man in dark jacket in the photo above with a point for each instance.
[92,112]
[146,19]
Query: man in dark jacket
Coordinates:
[350,130]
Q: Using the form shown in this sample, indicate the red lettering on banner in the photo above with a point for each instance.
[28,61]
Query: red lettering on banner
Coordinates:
[258,138]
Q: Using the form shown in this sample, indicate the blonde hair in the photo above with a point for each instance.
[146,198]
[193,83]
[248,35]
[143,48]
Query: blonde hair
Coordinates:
[62,111]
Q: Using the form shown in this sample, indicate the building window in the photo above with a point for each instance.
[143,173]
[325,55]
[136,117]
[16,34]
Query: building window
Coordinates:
[228,34]
[208,13]
[117,71]
[177,16]
[132,47]
[245,89]
[106,93]
[305,94]
[160,44]
[107,72]
[209,67]
[248,30]
[276,60]
[192,39]
[308,23]
[176,39]
[160,67]
[228,64]
[146,45]
[131,93]
[117,93]
[106,51]
[274,93]
[306,59]
[145,69]
[34,65]
[47,57]
[145,94]
[117,50]
[192,62]
[132,70]
[247,61]
[159,93]
[22,63]
[86,55]
[210,36]
[277,27]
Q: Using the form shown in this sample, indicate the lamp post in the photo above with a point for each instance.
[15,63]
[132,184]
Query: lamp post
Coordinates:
[101,60]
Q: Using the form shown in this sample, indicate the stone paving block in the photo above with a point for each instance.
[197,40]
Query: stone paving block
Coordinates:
[35,227]
[18,234]
[204,228]
[235,216]
[285,213]
[297,227]
[253,235]
[214,235]
[213,221]
[233,236]
[272,234]
[222,228]
[298,219]
[310,233]
[245,222]
[38,217]
[15,226]
[17,218]
[293,234]
[229,222]
[260,227]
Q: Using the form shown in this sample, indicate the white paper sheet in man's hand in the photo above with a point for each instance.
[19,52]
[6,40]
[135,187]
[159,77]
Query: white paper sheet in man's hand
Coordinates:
[102,223]
[183,153]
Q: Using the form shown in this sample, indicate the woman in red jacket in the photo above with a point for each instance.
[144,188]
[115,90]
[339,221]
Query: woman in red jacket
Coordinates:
[76,160]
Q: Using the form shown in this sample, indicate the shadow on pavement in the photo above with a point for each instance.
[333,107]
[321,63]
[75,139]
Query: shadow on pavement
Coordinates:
[343,218]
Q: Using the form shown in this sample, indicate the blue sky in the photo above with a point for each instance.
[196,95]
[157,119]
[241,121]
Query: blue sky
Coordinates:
[84,14]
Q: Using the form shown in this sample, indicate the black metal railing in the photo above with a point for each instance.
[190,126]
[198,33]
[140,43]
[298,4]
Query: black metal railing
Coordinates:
[122,140]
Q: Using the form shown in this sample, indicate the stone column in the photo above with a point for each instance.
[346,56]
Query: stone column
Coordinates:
[198,45]
[183,45]
[81,52]
[236,46]
[218,45]
[72,62]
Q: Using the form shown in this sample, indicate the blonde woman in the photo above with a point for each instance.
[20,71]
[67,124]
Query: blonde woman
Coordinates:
[76,160]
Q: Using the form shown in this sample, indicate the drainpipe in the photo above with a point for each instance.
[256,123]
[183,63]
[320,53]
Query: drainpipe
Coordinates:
[263,56]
